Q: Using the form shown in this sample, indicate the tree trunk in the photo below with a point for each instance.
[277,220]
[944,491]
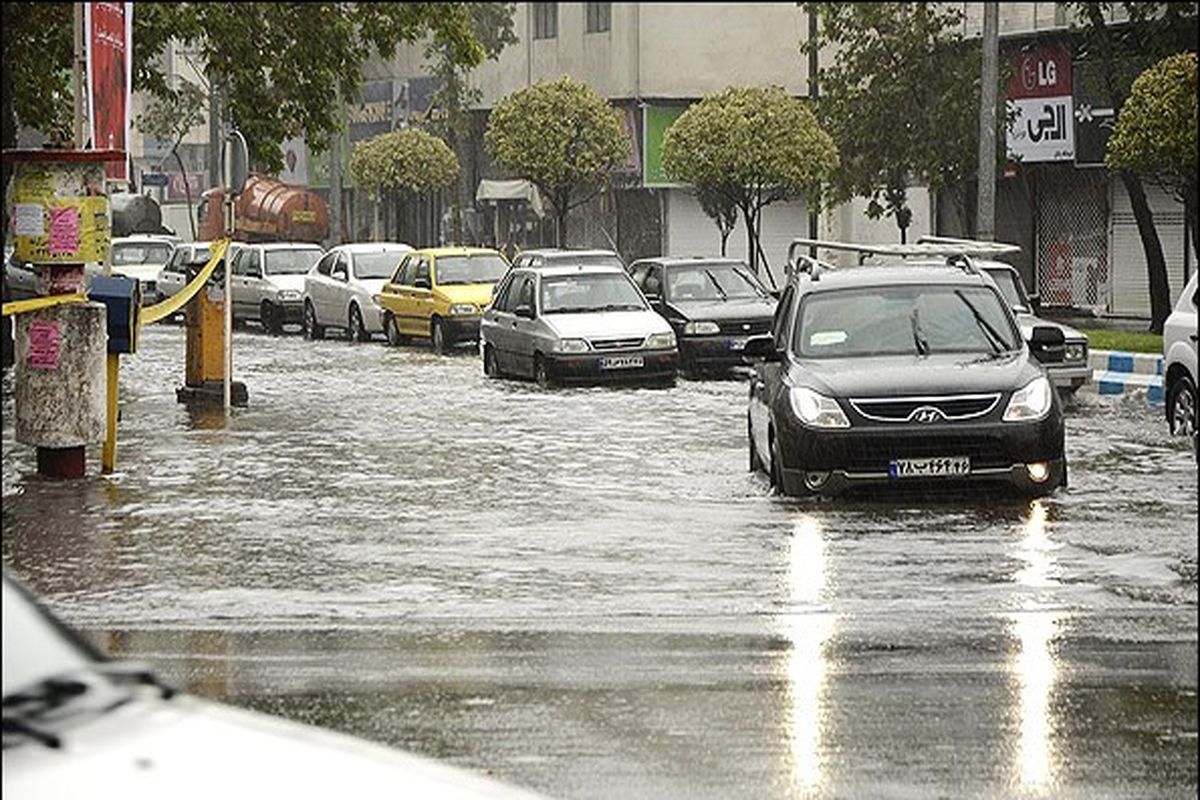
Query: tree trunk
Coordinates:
[751,241]
[560,226]
[187,190]
[1156,263]
[725,240]
[1190,207]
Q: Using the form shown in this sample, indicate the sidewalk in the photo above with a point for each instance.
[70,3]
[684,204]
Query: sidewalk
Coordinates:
[1115,372]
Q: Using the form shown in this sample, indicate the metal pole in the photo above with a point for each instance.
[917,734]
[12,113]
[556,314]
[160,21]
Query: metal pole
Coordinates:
[985,221]
[108,455]
[81,84]
[335,189]
[227,387]
[813,96]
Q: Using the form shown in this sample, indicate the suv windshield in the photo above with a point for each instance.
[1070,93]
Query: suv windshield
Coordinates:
[482,268]
[712,282]
[126,254]
[291,262]
[377,265]
[904,320]
[574,294]
[1006,281]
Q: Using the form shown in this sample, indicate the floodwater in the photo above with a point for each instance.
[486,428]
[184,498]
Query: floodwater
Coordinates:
[584,592]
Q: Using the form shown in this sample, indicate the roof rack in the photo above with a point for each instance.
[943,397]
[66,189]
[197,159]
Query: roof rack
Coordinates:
[971,246]
[957,252]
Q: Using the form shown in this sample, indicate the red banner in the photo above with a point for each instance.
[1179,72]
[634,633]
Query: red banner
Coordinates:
[1043,71]
[109,33]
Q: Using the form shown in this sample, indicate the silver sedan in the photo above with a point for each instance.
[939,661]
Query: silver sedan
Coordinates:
[339,290]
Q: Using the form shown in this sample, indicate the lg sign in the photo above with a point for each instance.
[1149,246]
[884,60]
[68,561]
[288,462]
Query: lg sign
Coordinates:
[1036,73]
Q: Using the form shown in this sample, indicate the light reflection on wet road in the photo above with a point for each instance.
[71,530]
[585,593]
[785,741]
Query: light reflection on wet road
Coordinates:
[584,592]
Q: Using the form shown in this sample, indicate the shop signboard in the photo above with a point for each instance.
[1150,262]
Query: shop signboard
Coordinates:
[109,55]
[656,120]
[1040,100]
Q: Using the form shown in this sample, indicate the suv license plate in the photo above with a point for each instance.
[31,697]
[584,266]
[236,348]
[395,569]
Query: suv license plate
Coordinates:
[946,466]
[622,362]
[738,343]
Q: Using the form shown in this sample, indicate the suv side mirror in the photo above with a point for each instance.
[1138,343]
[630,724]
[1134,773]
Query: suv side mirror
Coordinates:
[761,348]
[1048,343]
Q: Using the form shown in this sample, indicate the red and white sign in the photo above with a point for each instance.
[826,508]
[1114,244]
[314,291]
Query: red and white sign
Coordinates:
[109,34]
[1039,95]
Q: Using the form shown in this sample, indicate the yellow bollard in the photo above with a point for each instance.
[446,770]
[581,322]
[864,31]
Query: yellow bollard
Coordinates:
[108,457]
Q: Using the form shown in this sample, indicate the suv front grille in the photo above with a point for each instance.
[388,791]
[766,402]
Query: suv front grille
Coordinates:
[951,408]
[745,327]
[617,344]
[873,453]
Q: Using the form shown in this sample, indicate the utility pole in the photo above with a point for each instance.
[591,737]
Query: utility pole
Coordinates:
[985,221]
[82,123]
[813,96]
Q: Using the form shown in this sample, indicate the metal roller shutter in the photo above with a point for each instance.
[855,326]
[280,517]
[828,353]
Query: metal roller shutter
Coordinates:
[1130,286]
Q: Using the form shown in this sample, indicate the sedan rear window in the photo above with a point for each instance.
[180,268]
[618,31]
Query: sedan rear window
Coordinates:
[578,294]
[291,262]
[377,265]
[904,320]
[126,254]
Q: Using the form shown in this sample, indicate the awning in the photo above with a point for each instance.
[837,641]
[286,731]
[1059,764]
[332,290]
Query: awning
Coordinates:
[510,190]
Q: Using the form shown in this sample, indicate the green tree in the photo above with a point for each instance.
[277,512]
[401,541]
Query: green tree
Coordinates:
[492,25]
[279,67]
[409,162]
[561,136]
[751,147]
[719,206]
[901,99]
[169,117]
[1152,31]
[1156,132]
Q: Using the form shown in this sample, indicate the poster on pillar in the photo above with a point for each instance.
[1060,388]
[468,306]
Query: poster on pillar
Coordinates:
[1042,126]
[109,28]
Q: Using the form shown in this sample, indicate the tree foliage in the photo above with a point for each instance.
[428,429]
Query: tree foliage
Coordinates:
[901,100]
[561,136]
[280,68]
[169,117]
[408,160]
[751,147]
[1156,132]
[37,90]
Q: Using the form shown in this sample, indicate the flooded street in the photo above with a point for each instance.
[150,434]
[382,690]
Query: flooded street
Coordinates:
[584,591]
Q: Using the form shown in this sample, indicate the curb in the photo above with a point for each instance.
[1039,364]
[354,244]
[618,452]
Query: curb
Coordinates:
[1115,372]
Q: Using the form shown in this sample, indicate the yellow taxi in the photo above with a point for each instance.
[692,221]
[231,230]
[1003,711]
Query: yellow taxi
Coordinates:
[439,294]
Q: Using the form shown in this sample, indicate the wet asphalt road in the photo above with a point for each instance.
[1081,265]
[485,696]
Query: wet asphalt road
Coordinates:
[584,592]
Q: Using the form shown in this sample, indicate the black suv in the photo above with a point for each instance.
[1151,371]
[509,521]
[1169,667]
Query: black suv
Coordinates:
[896,375]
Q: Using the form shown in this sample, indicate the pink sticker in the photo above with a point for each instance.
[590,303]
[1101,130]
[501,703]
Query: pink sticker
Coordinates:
[43,345]
[64,231]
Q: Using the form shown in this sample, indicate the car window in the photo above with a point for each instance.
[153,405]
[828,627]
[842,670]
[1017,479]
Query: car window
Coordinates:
[341,267]
[291,262]
[638,273]
[326,263]
[422,271]
[1010,288]
[783,311]
[653,283]
[238,264]
[376,265]
[523,292]
[475,268]
[904,320]
[253,262]
[140,253]
[500,303]
[573,294]
[712,282]
[407,271]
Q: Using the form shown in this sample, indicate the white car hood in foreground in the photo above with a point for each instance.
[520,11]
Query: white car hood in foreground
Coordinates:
[607,324]
[191,748]
[293,282]
[141,272]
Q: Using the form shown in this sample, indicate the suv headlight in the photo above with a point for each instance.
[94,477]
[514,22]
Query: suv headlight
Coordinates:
[816,409]
[571,346]
[286,295]
[1032,402]
[463,309]
[660,341]
[1075,352]
[701,328]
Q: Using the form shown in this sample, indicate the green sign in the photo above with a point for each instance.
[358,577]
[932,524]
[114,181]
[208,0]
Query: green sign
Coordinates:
[655,122]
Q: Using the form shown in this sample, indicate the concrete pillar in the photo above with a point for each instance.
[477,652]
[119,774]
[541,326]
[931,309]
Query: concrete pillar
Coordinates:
[60,384]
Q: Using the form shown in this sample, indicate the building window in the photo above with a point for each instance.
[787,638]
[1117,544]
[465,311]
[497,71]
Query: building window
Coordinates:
[599,17]
[545,20]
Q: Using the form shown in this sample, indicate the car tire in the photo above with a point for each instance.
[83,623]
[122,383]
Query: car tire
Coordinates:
[437,336]
[270,319]
[391,331]
[490,366]
[312,330]
[755,462]
[541,372]
[357,330]
[776,471]
[1181,406]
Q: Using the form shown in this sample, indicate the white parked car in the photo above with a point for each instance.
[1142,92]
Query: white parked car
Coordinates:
[340,289]
[1179,362]
[268,282]
[79,725]
[187,256]
[142,258]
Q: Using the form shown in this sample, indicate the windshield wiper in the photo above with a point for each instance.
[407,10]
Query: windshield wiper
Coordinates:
[919,339]
[619,307]
[712,279]
[994,339]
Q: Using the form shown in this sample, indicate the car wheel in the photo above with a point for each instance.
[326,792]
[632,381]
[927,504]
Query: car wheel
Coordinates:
[755,462]
[541,372]
[1181,406]
[438,336]
[358,331]
[269,319]
[391,330]
[311,329]
[776,472]
[490,367]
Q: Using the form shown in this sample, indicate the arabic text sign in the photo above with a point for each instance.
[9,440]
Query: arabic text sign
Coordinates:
[1043,129]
